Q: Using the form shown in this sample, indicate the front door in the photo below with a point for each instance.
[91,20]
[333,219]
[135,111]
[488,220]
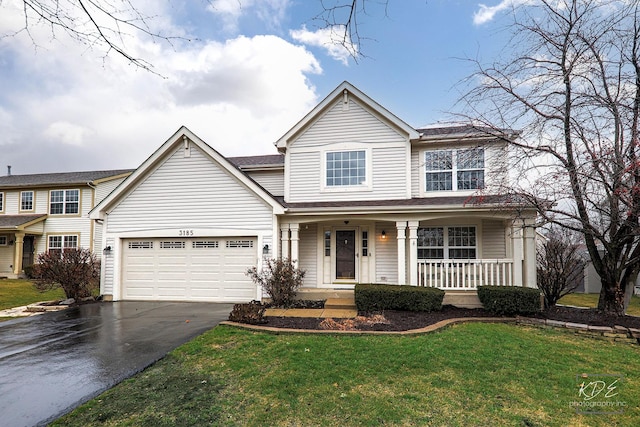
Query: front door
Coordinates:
[345,254]
[27,251]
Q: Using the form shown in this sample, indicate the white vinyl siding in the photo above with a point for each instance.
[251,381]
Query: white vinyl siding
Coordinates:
[308,252]
[108,269]
[102,190]
[190,191]
[493,239]
[272,181]
[386,253]
[353,129]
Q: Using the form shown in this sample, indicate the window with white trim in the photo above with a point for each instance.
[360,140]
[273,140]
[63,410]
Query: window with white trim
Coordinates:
[26,200]
[1,201]
[57,244]
[346,168]
[64,202]
[447,242]
[3,240]
[447,170]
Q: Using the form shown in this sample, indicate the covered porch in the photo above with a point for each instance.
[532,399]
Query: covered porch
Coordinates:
[18,239]
[454,251]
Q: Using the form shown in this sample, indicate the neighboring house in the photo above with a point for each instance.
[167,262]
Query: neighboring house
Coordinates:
[50,212]
[355,196]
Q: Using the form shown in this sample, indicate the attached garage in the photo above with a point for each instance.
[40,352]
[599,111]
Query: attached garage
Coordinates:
[194,269]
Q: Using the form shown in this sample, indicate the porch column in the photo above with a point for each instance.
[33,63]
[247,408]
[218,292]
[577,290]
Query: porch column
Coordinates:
[402,252]
[529,254]
[295,239]
[413,253]
[17,253]
[284,239]
[516,239]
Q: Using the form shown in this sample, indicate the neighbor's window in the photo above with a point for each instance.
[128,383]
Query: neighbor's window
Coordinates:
[64,202]
[346,168]
[60,243]
[446,170]
[26,200]
[1,201]
[447,242]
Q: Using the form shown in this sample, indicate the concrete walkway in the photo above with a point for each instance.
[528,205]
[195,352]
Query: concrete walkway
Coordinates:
[31,310]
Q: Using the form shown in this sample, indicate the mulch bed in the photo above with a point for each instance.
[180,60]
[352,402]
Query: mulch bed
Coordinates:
[406,320]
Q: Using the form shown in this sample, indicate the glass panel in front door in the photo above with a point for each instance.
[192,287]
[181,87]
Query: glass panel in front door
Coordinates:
[346,254]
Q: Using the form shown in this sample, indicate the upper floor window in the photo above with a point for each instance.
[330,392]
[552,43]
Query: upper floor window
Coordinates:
[64,202]
[447,242]
[446,170]
[346,168]
[57,244]
[26,200]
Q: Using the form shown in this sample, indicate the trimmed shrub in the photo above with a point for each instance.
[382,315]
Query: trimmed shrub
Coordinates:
[509,300]
[371,298]
[280,279]
[251,313]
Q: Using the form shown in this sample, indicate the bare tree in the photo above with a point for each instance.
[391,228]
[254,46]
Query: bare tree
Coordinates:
[570,79]
[342,18]
[560,265]
[101,24]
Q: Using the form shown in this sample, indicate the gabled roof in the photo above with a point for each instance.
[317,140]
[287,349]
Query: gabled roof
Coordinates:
[160,154]
[338,92]
[19,222]
[64,178]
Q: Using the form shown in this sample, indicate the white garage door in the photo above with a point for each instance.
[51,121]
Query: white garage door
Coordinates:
[196,269]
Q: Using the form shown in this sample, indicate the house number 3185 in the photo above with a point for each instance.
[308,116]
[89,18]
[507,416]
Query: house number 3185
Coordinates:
[185,233]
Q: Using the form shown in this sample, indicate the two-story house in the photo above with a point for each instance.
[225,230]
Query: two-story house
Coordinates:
[355,195]
[43,212]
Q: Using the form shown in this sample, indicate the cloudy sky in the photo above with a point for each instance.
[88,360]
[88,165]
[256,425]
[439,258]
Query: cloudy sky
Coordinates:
[239,74]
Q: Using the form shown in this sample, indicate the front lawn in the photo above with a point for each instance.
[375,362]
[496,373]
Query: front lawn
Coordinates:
[591,300]
[467,375]
[18,292]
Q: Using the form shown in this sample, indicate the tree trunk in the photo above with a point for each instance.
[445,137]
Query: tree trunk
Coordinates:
[612,298]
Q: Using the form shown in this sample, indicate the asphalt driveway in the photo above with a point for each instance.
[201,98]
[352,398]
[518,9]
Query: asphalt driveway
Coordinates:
[51,363]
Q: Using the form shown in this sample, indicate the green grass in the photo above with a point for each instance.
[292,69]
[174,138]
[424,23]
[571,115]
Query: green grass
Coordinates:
[591,300]
[18,292]
[467,375]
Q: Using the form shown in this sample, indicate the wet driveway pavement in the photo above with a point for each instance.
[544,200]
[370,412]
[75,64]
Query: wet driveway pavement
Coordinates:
[51,363]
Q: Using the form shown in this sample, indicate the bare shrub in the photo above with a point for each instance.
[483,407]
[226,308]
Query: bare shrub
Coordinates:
[280,279]
[560,269]
[76,271]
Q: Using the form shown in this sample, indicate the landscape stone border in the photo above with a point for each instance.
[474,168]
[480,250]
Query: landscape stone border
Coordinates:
[617,333]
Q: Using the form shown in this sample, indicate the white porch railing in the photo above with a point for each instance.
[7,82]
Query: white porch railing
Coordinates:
[465,274]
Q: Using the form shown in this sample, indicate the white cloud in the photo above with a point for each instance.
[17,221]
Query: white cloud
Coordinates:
[330,39]
[486,13]
[67,109]
[67,133]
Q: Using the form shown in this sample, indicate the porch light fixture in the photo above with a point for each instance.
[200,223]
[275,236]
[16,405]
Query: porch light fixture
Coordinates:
[383,235]
[265,250]
[107,250]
